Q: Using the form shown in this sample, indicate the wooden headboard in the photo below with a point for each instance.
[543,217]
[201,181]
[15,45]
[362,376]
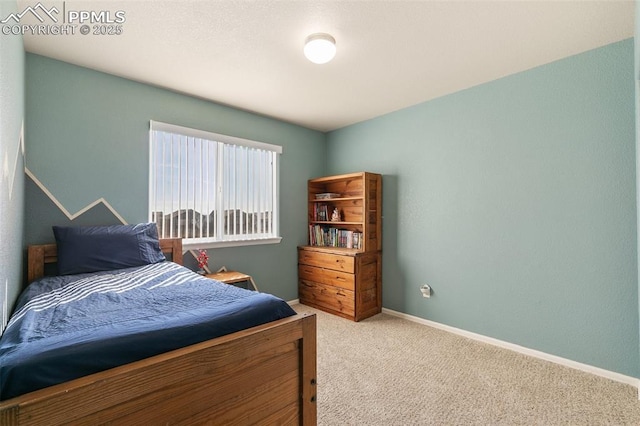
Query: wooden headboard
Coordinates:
[39,255]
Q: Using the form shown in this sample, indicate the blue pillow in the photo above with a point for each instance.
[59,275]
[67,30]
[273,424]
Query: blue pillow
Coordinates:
[103,248]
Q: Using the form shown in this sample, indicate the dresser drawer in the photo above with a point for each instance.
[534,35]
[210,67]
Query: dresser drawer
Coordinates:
[327,276]
[327,260]
[326,297]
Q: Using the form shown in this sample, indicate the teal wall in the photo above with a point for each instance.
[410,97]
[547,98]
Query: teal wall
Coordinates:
[88,139]
[516,201]
[637,81]
[11,176]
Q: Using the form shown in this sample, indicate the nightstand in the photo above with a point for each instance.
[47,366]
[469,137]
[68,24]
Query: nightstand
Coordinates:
[231,277]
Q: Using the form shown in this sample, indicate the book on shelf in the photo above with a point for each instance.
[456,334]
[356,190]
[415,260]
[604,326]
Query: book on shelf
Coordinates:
[325,236]
[321,212]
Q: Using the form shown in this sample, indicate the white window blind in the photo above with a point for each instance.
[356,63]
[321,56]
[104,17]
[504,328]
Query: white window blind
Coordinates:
[212,189]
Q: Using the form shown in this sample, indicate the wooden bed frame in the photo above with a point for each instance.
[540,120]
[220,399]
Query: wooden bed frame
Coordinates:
[262,375]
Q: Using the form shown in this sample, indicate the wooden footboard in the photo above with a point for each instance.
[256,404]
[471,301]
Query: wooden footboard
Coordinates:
[262,375]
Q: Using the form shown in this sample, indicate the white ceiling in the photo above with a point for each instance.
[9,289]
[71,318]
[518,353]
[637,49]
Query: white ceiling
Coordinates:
[391,54]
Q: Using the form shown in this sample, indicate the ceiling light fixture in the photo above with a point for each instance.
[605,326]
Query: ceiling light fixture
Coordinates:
[320,48]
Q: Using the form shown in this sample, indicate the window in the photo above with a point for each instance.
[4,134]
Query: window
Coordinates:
[211,189]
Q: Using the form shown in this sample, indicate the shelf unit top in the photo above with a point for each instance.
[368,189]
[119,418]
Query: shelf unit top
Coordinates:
[338,177]
[358,195]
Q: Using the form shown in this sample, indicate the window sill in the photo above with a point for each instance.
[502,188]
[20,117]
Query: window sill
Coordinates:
[194,245]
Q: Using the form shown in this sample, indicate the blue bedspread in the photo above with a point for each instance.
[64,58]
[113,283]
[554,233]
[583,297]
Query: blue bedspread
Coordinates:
[70,326]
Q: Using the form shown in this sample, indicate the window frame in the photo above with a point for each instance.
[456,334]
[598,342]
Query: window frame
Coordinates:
[193,243]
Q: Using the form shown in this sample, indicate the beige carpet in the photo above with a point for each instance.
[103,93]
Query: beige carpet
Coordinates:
[390,371]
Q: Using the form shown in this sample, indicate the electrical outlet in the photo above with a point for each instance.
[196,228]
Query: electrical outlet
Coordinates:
[426,290]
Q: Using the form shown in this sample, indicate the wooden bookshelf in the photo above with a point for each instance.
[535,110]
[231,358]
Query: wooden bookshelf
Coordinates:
[340,269]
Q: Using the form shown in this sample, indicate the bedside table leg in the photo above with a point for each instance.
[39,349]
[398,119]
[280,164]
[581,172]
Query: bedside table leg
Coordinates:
[253,284]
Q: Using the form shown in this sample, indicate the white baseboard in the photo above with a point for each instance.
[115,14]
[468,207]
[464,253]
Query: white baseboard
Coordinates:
[294,302]
[633,381]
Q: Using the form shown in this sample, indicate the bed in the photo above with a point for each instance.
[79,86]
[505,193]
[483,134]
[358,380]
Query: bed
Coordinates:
[263,374]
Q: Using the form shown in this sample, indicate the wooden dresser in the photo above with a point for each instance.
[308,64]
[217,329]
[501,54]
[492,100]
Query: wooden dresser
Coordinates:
[340,271]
